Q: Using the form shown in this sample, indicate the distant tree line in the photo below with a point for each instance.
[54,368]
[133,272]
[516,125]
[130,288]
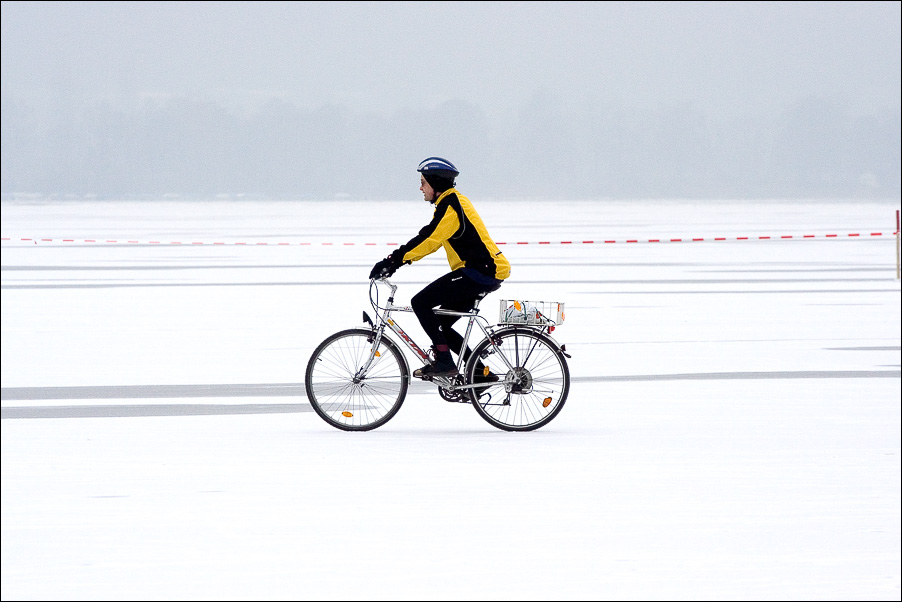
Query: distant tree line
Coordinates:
[815,148]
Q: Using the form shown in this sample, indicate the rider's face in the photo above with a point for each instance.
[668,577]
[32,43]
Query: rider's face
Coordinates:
[426,189]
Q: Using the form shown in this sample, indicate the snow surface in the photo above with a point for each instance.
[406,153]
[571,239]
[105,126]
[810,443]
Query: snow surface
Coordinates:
[732,430]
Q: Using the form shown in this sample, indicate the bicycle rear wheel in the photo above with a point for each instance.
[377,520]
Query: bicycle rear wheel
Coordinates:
[344,398]
[532,384]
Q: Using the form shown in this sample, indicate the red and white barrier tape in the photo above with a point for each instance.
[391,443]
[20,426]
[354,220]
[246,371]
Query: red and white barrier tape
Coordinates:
[370,244]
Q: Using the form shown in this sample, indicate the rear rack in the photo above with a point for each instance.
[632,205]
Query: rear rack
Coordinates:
[537,313]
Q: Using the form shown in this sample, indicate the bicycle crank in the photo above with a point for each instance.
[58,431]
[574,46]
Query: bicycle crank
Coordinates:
[452,395]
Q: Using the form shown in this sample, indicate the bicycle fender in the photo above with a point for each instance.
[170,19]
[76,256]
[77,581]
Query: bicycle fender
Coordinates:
[558,346]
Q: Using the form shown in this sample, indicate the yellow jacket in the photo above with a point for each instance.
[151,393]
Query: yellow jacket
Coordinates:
[456,226]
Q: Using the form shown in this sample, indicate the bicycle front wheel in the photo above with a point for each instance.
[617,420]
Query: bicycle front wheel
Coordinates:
[532,384]
[342,395]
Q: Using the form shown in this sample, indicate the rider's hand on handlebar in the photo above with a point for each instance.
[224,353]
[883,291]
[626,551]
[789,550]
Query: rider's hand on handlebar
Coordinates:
[389,265]
[383,269]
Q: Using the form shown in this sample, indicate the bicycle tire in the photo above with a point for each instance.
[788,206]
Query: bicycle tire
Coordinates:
[343,400]
[532,391]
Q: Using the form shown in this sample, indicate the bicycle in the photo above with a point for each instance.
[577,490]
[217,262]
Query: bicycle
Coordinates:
[357,379]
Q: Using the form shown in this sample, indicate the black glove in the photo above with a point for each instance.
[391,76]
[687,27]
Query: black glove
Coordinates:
[387,266]
[382,268]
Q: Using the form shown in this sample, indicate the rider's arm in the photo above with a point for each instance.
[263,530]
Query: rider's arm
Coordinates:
[445,223]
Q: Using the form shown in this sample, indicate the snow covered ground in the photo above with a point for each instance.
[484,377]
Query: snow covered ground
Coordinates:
[732,430]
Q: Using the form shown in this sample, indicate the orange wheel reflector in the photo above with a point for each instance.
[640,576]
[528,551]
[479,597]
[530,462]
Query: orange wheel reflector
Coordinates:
[378,354]
[546,402]
[486,371]
[347,414]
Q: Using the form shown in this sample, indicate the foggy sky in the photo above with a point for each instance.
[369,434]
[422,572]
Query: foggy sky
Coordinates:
[562,99]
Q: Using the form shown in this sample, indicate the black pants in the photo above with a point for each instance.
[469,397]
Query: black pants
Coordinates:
[455,291]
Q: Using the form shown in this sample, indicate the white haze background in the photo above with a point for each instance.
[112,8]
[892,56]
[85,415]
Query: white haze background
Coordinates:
[561,100]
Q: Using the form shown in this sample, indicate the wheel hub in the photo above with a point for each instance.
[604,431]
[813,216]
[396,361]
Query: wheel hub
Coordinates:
[518,380]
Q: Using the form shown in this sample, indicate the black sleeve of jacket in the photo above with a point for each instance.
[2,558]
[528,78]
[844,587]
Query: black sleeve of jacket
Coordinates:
[445,223]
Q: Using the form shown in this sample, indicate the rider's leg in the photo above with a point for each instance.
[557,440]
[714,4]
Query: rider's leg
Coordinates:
[453,291]
[432,296]
[464,300]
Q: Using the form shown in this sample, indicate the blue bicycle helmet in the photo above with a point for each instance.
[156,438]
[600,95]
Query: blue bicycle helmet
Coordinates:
[438,167]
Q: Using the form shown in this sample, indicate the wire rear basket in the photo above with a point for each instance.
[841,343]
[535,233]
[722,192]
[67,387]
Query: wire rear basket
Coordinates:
[540,313]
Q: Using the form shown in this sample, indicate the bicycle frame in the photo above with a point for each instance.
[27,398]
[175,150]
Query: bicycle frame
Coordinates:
[385,320]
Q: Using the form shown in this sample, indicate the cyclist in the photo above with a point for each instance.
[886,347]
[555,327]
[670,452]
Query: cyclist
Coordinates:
[477,265]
